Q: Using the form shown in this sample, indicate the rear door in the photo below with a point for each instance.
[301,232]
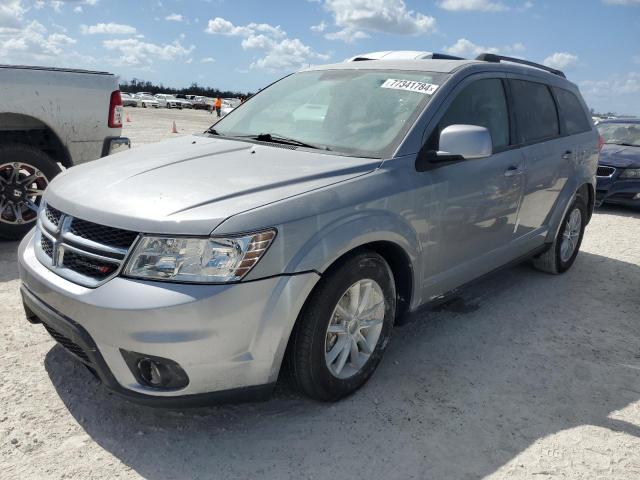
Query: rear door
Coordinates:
[547,155]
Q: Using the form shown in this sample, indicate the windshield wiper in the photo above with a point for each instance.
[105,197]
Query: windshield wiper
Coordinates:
[626,144]
[275,138]
[213,131]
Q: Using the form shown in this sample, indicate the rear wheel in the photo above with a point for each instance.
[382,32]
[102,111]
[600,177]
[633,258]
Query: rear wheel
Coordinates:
[563,251]
[342,333]
[25,172]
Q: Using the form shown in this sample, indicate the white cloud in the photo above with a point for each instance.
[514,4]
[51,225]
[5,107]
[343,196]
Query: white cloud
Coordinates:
[221,26]
[472,5]
[561,60]
[354,18]
[108,29]
[77,9]
[135,53]
[174,17]
[11,14]
[321,27]
[33,43]
[626,84]
[622,2]
[208,60]
[466,48]
[278,51]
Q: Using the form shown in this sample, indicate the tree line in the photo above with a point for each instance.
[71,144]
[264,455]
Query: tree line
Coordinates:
[136,85]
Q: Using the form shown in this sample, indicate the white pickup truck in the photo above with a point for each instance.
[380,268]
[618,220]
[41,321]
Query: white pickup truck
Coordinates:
[50,118]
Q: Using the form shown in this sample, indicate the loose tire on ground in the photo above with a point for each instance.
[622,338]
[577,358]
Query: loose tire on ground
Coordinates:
[35,161]
[554,260]
[313,342]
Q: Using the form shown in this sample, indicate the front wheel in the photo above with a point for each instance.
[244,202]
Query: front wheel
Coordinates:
[25,172]
[344,328]
[563,251]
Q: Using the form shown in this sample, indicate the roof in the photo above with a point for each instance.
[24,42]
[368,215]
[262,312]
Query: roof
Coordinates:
[447,66]
[439,66]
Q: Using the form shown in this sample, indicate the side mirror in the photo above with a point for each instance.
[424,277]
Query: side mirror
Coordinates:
[457,142]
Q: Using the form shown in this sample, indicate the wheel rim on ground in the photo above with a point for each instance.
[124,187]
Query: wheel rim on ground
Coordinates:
[571,235]
[21,188]
[354,328]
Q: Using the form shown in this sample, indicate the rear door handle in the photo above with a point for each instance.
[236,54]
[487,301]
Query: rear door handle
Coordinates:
[512,171]
[567,155]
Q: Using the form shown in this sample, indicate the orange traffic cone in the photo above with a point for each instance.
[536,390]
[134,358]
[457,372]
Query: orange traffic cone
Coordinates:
[174,129]
[128,119]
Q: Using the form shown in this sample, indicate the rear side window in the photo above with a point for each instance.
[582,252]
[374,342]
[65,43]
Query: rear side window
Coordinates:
[535,111]
[482,103]
[572,115]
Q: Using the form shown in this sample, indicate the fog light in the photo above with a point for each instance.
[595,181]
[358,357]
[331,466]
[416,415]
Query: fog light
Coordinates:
[155,372]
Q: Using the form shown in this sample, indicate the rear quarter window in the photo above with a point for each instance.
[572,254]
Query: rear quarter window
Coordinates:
[535,111]
[572,115]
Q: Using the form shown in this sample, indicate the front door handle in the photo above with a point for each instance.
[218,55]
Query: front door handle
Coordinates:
[567,155]
[512,171]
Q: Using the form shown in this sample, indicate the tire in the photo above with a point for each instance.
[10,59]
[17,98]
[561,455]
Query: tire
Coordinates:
[556,260]
[29,163]
[312,344]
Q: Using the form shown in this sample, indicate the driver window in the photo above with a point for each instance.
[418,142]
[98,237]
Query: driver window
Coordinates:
[483,103]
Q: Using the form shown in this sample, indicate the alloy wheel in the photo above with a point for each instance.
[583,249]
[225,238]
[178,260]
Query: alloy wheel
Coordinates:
[21,189]
[571,235]
[354,328]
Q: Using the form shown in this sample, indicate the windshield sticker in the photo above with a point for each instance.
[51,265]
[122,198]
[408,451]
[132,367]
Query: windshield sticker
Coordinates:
[410,85]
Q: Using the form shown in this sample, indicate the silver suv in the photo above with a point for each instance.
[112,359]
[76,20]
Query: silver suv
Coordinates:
[306,223]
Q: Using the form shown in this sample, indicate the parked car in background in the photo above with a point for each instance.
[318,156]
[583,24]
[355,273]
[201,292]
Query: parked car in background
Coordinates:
[129,100]
[182,99]
[619,165]
[228,105]
[198,102]
[167,101]
[147,100]
[37,140]
[205,259]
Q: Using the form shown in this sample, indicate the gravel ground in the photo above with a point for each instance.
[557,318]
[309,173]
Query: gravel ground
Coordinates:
[524,375]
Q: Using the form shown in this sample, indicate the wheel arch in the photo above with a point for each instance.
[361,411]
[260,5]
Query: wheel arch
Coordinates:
[28,130]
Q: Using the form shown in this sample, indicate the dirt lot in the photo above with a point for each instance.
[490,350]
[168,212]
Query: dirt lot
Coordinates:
[525,375]
[149,125]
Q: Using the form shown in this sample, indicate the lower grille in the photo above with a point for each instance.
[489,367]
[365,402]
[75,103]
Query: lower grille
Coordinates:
[605,171]
[69,345]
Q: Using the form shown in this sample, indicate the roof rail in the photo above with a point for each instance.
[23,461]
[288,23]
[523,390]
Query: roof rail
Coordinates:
[492,57]
[402,55]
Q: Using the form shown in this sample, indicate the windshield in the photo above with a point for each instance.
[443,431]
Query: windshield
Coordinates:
[620,133]
[360,112]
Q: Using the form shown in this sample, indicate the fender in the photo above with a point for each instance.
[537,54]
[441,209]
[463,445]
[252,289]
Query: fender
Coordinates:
[348,233]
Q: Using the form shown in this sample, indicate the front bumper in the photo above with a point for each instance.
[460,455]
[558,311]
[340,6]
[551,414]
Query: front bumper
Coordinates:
[229,339]
[618,191]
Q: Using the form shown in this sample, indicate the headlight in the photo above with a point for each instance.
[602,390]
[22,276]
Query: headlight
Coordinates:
[630,173]
[198,260]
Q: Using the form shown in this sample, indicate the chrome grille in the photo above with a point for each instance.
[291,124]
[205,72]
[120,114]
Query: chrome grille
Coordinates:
[80,251]
[605,171]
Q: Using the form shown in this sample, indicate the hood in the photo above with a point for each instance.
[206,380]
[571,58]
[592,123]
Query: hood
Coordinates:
[620,156]
[189,185]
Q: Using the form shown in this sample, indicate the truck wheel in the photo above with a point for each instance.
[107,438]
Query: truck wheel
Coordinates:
[563,251]
[344,328]
[25,172]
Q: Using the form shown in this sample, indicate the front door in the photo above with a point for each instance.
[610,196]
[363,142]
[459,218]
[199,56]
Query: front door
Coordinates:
[478,199]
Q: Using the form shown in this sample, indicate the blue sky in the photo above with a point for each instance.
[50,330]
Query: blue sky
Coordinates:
[246,44]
